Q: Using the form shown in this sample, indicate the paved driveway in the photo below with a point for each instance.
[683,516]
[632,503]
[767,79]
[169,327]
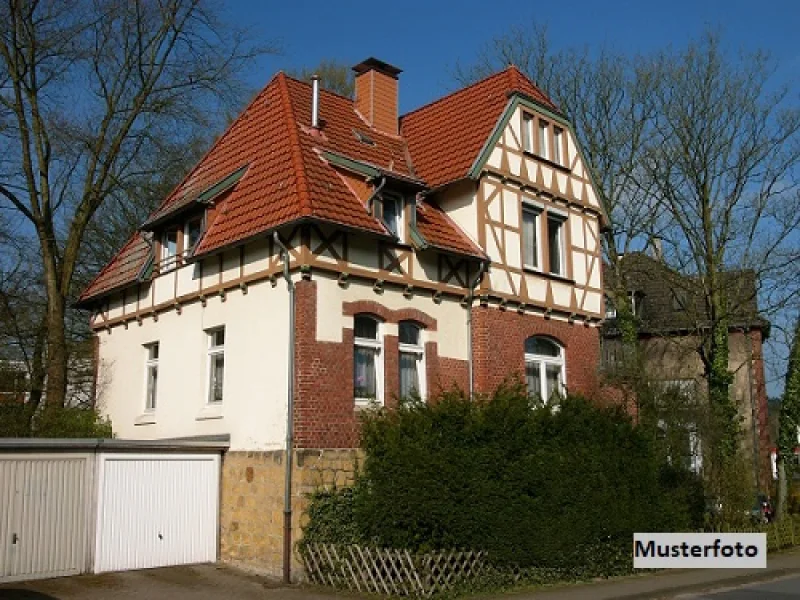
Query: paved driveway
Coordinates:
[197,582]
[779,589]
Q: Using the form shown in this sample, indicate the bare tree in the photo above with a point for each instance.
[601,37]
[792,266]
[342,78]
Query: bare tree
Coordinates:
[88,90]
[333,75]
[722,167]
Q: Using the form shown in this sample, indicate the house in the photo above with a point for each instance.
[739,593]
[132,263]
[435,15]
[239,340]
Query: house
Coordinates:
[671,314]
[327,254]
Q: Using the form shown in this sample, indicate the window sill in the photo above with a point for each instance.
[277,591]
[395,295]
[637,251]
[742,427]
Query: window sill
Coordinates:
[209,412]
[547,161]
[364,404]
[146,418]
[554,276]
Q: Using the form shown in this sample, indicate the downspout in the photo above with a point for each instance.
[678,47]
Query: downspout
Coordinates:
[287,490]
[470,297]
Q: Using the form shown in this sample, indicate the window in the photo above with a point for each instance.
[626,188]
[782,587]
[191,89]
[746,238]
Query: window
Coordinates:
[367,364]
[543,140]
[412,360]
[544,368]
[216,364]
[637,303]
[555,243]
[527,132]
[611,309]
[151,376]
[530,236]
[393,214]
[557,145]
[169,248]
[191,234]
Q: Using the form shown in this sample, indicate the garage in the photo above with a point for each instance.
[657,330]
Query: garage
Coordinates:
[155,511]
[75,506]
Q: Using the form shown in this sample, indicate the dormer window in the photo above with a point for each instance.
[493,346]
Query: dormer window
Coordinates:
[393,214]
[191,234]
[169,248]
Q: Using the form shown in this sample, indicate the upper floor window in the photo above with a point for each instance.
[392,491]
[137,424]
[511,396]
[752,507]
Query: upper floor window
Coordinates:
[367,360]
[151,376]
[412,360]
[555,243]
[216,364]
[393,214]
[558,143]
[611,309]
[544,141]
[527,132]
[530,236]
[191,234]
[169,248]
[544,368]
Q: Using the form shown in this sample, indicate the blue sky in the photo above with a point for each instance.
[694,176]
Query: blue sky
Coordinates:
[427,38]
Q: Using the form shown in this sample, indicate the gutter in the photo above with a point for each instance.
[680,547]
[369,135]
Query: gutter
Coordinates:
[287,491]
[484,265]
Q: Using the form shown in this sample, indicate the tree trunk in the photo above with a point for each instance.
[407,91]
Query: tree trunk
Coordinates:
[57,353]
[783,490]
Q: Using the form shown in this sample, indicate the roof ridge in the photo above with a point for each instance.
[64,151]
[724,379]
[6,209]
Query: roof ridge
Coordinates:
[294,143]
[455,93]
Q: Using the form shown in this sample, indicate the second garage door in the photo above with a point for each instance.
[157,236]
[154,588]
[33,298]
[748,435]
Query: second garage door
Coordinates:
[156,510]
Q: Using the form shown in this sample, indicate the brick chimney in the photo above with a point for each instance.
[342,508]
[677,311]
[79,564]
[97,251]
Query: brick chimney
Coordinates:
[376,94]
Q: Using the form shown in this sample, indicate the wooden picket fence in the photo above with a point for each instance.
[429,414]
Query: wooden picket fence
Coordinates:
[780,534]
[388,571]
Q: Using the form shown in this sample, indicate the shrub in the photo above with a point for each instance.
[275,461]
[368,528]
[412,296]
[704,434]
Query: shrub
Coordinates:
[533,486]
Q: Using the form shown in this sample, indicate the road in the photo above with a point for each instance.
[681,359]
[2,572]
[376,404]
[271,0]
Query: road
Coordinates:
[783,588]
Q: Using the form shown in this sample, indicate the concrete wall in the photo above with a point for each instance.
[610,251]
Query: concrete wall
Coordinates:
[253,410]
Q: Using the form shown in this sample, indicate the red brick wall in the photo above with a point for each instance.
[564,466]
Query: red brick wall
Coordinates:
[762,410]
[324,408]
[499,348]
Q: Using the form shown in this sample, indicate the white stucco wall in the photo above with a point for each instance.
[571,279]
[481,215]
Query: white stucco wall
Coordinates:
[253,410]
[451,333]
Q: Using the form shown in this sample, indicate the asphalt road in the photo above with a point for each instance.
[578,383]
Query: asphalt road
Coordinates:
[778,589]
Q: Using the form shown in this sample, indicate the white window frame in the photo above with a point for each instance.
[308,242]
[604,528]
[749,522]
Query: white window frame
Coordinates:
[611,309]
[150,365]
[527,132]
[558,149]
[562,254]
[417,349]
[401,214]
[542,361]
[544,139]
[377,345]
[169,260]
[537,212]
[214,351]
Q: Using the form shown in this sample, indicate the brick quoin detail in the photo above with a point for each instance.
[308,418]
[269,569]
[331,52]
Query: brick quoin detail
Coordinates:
[324,409]
[498,342]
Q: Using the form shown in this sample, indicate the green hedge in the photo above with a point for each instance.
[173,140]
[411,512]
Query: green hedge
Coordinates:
[561,488]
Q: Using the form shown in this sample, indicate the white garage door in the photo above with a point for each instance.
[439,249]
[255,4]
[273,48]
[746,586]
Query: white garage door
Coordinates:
[44,515]
[156,510]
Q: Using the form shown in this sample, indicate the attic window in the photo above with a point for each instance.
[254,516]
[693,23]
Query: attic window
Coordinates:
[363,137]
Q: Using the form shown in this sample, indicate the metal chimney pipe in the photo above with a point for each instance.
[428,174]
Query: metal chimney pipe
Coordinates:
[315,101]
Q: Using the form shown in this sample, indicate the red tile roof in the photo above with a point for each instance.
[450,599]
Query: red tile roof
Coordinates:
[446,136]
[122,270]
[287,177]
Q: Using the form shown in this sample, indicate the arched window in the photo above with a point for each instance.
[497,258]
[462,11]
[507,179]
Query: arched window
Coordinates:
[412,360]
[544,367]
[367,360]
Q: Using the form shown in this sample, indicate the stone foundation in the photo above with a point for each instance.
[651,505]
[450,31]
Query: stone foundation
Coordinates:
[251,510]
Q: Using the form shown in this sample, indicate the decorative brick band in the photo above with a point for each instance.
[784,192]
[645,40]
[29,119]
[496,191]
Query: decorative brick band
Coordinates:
[388,315]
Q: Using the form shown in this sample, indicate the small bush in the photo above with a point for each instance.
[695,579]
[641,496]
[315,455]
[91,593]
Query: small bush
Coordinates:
[561,489]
